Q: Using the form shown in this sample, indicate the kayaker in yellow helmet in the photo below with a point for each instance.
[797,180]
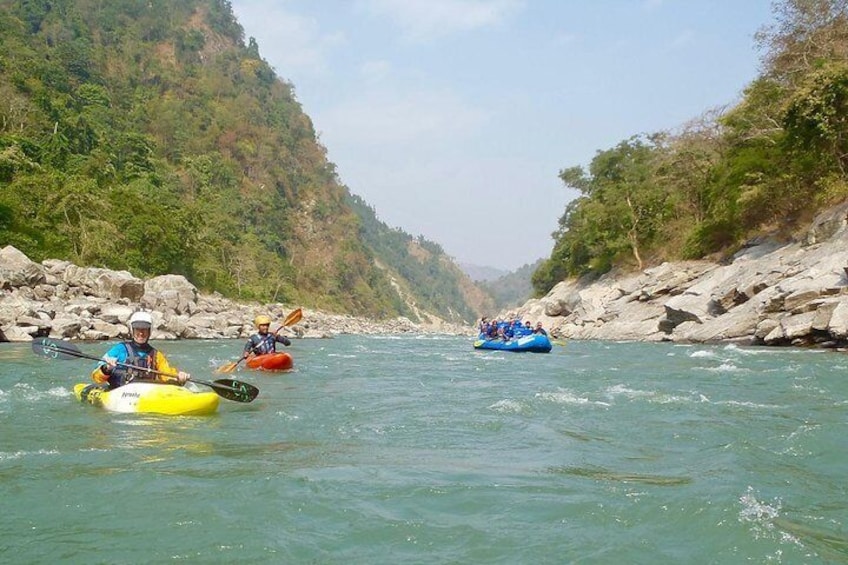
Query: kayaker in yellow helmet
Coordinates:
[136,351]
[263,341]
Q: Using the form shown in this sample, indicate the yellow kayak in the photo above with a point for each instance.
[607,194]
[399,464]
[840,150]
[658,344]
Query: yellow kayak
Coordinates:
[149,398]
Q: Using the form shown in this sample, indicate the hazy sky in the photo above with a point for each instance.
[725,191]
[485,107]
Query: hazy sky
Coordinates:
[453,118]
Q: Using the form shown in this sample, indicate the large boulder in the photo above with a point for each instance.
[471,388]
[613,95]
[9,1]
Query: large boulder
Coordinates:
[17,270]
[827,224]
[170,293]
[67,326]
[117,314]
[104,282]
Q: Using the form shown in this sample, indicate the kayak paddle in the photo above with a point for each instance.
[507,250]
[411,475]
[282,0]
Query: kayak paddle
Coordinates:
[293,318]
[230,389]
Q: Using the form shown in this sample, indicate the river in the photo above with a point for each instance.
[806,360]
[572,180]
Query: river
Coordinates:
[422,450]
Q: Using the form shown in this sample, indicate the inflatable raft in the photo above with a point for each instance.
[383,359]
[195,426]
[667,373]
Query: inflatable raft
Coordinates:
[149,398]
[279,361]
[534,343]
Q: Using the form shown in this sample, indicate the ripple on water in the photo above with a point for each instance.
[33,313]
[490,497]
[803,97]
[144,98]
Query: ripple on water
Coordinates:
[601,474]
[507,406]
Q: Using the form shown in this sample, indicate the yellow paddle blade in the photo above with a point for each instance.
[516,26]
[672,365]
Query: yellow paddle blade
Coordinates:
[228,368]
[293,317]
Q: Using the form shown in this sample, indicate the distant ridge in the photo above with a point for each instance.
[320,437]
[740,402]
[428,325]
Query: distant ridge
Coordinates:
[512,289]
[481,273]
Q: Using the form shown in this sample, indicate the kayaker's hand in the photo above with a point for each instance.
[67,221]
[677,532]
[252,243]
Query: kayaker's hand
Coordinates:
[182,377]
[111,363]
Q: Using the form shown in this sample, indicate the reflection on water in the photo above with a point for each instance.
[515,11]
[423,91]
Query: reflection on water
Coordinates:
[600,474]
[818,537]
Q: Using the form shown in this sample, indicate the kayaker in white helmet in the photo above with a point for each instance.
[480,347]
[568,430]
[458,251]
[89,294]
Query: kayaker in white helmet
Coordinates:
[136,351]
[263,341]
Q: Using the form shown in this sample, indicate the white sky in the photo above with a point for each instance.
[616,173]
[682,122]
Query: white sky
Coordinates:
[453,118]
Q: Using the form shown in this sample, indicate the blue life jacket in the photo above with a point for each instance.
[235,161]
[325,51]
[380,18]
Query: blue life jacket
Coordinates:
[139,355]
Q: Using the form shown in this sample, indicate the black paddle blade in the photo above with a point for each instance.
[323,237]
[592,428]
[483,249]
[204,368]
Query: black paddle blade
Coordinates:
[237,391]
[52,349]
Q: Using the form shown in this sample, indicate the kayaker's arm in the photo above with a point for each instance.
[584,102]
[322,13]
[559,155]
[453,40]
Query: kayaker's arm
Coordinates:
[249,348]
[172,373]
[103,371]
[109,365]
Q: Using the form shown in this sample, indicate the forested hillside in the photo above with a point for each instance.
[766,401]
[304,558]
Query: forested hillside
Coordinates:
[764,166]
[146,135]
[428,274]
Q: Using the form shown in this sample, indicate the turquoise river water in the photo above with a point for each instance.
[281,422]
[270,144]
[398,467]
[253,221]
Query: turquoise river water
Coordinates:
[422,450]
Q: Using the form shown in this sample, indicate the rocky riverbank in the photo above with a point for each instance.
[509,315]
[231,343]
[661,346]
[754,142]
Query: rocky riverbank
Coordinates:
[64,301]
[769,293]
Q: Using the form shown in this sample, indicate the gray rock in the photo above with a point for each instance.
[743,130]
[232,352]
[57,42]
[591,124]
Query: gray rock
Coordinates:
[775,293]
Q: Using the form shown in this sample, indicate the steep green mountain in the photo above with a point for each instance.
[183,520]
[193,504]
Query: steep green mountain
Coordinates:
[146,135]
[763,167]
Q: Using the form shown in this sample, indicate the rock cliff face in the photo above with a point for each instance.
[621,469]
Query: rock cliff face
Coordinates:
[771,293]
[61,300]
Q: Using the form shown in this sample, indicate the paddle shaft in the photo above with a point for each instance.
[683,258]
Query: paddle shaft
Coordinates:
[127,365]
[77,353]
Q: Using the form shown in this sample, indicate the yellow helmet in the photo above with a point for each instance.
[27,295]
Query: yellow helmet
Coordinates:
[262,320]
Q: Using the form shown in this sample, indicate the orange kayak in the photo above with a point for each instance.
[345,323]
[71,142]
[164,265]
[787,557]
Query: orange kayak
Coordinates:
[271,362]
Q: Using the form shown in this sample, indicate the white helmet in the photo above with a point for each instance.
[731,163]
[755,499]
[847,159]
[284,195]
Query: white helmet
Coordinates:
[141,320]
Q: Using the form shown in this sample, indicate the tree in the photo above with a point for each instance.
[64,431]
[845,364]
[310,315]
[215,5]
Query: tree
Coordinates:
[805,33]
[817,115]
